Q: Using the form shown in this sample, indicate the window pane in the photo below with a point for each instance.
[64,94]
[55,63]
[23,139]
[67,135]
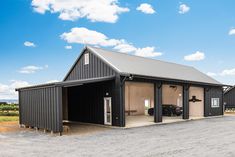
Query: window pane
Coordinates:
[108,118]
[86,58]
[214,102]
[108,106]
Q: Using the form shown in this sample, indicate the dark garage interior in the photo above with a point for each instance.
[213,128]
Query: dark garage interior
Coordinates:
[85,103]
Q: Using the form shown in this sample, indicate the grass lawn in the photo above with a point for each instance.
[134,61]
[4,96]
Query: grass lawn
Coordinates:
[8,118]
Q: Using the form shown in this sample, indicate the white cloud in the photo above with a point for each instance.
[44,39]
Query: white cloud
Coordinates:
[125,48]
[197,56]
[8,91]
[183,8]
[68,47]
[94,10]
[146,8]
[3,88]
[228,72]
[147,52]
[85,36]
[211,74]
[52,81]
[232,31]
[31,69]
[29,44]
[223,73]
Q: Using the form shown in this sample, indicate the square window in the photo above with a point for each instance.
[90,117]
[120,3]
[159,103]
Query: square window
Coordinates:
[215,102]
[86,58]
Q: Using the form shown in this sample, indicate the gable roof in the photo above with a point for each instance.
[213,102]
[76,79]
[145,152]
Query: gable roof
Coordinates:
[135,65]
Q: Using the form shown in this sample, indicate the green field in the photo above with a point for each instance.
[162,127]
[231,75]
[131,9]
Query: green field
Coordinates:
[9,112]
[8,118]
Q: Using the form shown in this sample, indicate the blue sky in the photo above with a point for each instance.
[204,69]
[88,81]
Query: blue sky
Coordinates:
[34,35]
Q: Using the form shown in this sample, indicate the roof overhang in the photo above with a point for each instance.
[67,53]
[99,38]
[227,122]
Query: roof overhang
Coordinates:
[84,81]
[172,80]
[68,83]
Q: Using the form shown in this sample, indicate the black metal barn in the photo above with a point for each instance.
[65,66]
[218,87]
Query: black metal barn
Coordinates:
[80,96]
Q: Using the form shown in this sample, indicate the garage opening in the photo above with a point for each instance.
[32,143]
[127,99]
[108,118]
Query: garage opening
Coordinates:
[88,103]
[139,101]
[196,102]
[172,103]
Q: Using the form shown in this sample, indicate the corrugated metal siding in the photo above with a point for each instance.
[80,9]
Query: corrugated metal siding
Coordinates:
[95,68]
[213,92]
[41,108]
[229,98]
[86,102]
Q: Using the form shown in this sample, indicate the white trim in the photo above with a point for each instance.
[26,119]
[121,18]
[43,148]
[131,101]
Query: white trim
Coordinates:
[105,112]
[212,103]
[86,58]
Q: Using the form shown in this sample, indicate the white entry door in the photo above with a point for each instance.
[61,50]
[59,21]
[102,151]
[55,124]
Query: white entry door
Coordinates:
[107,111]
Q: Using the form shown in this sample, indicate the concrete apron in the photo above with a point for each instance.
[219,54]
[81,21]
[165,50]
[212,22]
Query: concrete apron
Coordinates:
[149,124]
[172,122]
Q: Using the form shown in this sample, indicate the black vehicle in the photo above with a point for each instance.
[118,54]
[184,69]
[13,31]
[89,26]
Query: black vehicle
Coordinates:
[168,110]
[171,110]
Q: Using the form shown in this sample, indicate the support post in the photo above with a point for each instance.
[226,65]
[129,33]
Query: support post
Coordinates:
[186,102]
[206,105]
[118,105]
[157,102]
[223,105]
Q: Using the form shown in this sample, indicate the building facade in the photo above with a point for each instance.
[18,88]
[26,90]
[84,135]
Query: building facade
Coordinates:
[109,88]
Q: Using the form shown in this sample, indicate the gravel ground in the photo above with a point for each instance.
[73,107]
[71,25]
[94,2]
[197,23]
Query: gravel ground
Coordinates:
[201,138]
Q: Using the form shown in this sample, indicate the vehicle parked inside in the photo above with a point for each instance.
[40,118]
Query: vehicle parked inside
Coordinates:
[168,110]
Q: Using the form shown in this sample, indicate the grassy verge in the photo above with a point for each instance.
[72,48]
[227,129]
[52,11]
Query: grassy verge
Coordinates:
[9,113]
[8,118]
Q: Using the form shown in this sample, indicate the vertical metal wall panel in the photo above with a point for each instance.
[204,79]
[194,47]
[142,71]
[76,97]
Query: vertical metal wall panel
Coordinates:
[54,108]
[95,68]
[20,111]
[229,98]
[41,108]
[213,92]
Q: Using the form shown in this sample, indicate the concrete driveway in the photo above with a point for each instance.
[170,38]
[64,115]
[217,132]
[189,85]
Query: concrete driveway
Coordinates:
[200,138]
